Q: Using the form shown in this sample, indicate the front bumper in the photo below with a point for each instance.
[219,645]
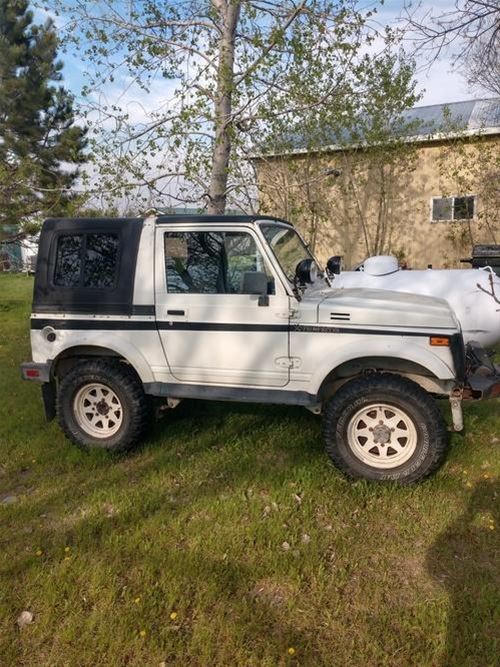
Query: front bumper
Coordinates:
[483,377]
[483,386]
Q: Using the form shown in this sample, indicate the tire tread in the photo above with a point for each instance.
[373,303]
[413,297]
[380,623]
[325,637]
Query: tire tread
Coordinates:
[393,384]
[124,376]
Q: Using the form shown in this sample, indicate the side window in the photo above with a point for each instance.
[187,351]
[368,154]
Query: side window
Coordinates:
[243,257]
[101,258]
[68,261]
[194,262]
[211,262]
[86,260]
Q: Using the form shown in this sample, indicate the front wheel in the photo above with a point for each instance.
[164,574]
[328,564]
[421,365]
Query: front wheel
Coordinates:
[101,404]
[384,427]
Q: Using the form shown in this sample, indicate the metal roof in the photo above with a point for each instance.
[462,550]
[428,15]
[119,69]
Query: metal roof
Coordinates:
[469,115]
[426,123]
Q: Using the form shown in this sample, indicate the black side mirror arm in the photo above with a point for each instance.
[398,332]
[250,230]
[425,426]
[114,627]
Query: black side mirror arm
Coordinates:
[263,300]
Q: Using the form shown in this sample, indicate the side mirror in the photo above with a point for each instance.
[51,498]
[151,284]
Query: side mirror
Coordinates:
[306,272]
[253,282]
[334,265]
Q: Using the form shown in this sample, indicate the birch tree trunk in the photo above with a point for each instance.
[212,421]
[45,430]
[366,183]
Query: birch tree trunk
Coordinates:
[229,12]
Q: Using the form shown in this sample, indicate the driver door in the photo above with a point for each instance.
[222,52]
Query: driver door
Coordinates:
[213,331]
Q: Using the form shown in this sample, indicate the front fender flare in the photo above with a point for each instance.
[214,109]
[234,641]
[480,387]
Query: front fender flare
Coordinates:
[394,349]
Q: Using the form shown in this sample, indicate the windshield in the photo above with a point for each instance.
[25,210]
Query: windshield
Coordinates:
[287,246]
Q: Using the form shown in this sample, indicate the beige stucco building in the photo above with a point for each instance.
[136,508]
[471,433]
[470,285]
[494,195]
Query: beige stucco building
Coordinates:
[427,197]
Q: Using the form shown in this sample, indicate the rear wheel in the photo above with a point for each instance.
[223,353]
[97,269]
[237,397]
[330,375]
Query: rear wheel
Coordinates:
[101,404]
[384,427]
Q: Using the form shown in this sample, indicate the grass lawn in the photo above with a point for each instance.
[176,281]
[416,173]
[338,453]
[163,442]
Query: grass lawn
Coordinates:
[229,539]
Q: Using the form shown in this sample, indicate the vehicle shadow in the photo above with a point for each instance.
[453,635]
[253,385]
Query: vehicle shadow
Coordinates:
[204,421]
[465,560]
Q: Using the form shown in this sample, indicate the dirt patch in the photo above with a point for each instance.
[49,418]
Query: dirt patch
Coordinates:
[272,593]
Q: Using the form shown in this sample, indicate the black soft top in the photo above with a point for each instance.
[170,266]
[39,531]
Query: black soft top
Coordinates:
[242,219]
[117,300]
[53,223]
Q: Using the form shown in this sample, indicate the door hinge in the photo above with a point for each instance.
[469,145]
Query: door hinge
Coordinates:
[291,314]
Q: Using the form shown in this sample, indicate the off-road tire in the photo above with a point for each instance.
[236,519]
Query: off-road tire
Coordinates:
[408,398]
[120,379]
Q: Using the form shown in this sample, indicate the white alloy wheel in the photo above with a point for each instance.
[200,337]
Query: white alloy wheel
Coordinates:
[98,410]
[382,436]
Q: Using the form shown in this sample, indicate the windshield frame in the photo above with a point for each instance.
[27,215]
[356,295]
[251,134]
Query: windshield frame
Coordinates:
[308,254]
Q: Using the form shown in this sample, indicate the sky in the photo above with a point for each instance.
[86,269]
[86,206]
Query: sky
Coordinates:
[441,82]
[438,83]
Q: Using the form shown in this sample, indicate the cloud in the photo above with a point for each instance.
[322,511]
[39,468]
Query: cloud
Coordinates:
[439,80]
[442,83]
[141,106]
[41,14]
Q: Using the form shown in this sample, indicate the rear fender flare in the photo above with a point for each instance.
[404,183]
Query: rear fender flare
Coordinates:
[121,347]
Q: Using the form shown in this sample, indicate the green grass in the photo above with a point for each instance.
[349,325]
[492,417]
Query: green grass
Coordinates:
[231,517]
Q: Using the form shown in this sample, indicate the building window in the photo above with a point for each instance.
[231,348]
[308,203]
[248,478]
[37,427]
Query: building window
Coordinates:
[453,208]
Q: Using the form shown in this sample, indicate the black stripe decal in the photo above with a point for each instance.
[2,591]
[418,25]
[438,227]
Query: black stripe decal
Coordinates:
[100,325]
[221,326]
[94,309]
[318,328]
[142,325]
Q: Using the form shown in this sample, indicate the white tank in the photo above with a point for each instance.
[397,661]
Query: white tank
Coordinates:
[381,265]
[473,294]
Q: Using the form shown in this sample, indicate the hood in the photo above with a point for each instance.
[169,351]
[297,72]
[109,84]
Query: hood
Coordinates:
[384,308]
[472,294]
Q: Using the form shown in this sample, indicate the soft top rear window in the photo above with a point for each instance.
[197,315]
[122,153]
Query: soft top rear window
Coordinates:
[86,260]
[87,266]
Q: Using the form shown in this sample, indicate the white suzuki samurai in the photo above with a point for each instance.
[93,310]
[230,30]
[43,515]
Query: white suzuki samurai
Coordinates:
[235,308]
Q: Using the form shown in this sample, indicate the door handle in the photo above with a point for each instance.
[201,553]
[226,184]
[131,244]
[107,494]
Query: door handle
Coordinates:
[179,313]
